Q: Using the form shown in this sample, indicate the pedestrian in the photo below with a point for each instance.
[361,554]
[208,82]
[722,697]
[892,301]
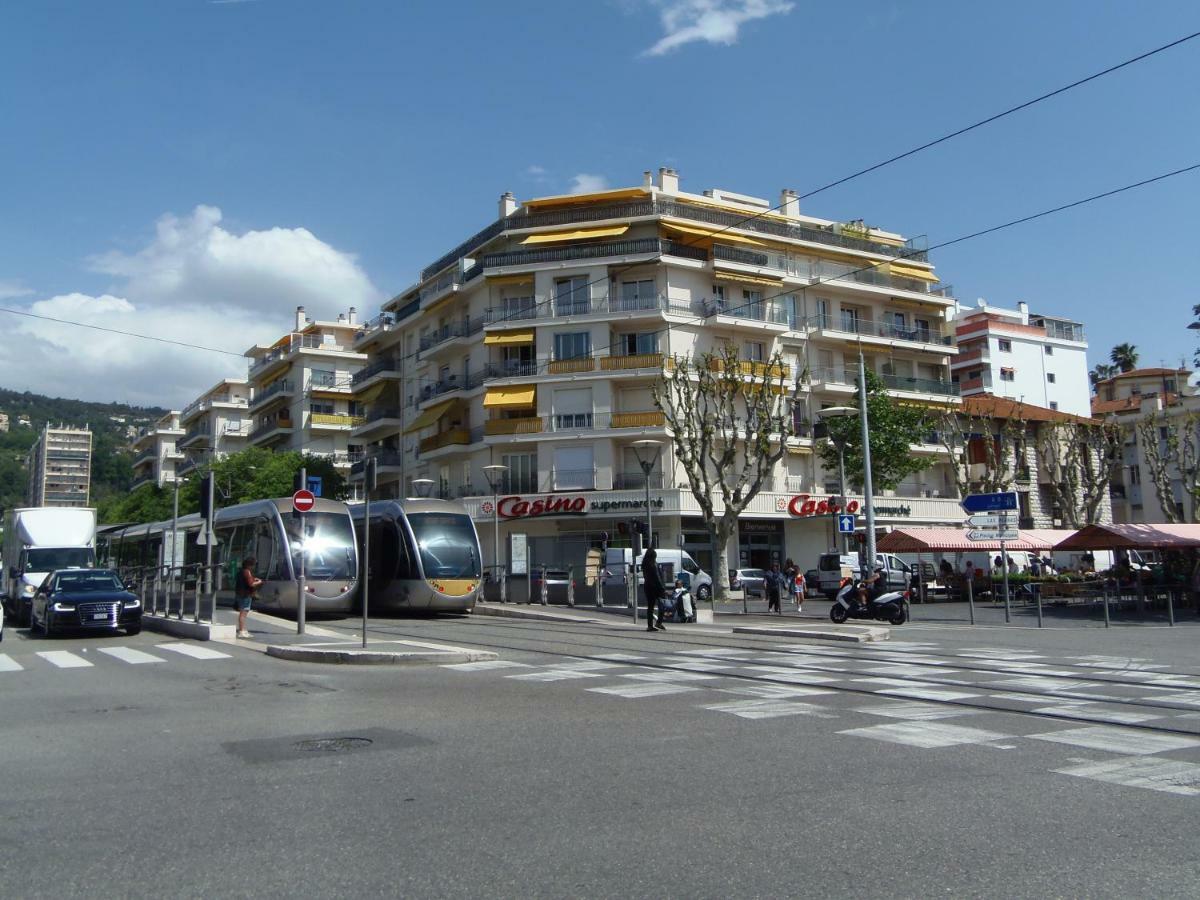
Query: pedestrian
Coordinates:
[244,592]
[655,591]
[799,586]
[774,583]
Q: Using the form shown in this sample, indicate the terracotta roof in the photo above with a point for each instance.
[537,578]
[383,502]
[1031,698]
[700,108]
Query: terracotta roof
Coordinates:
[1128,404]
[989,406]
[1146,373]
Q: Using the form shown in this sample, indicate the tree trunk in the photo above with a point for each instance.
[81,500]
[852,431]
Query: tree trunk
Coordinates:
[721,576]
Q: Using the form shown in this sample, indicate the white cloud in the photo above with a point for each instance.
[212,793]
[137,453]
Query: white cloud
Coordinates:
[194,282]
[535,171]
[12,289]
[711,21]
[584,183]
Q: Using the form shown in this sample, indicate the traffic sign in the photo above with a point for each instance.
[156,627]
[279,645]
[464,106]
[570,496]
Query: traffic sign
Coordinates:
[982,503]
[993,534]
[988,520]
[845,523]
[303,501]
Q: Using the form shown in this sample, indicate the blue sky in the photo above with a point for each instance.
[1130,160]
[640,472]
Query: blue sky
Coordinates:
[346,145]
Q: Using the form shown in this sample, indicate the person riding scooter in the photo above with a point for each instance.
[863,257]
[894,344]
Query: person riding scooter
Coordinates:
[871,588]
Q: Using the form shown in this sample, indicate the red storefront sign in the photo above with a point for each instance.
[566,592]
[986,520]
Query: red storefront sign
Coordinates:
[520,508]
[806,505]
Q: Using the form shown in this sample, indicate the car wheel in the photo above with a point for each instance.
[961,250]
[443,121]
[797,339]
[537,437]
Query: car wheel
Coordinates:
[703,593]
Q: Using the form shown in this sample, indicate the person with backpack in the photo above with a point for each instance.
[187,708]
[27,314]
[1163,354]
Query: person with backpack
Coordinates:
[774,583]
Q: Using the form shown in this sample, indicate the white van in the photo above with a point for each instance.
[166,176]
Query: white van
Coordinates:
[833,567]
[618,560]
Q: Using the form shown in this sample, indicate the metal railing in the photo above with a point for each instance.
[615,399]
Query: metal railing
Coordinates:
[852,325]
[920,385]
[631,247]
[383,365]
[450,331]
[629,481]
[180,592]
[452,383]
[760,311]
[573,479]
[329,380]
[145,456]
[282,387]
[263,428]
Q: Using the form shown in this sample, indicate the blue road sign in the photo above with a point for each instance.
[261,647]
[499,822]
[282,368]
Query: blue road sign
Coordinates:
[845,523]
[981,503]
[314,485]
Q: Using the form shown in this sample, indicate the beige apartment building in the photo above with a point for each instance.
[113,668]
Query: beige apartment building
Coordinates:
[300,389]
[157,453]
[60,467]
[534,343]
[216,424]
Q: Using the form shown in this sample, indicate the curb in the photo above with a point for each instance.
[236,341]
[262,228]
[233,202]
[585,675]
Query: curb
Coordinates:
[377,657]
[508,611]
[197,631]
[863,634]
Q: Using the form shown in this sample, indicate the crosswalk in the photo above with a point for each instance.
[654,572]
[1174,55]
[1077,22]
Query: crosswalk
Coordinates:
[919,697]
[67,659]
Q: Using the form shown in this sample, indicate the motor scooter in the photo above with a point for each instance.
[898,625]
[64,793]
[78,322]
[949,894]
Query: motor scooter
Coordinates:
[685,607]
[891,606]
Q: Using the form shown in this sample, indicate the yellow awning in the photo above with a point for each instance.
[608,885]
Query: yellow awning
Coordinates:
[747,279]
[577,235]
[729,207]
[527,278]
[907,272]
[328,395]
[509,338]
[516,397]
[371,394]
[571,199]
[429,416]
[715,234]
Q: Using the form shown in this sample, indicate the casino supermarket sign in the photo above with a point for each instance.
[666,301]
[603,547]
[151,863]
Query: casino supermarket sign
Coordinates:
[563,505]
[806,505]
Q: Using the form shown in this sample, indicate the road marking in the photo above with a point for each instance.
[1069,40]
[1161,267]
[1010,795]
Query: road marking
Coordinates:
[670,676]
[716,651]
[129,655]
[1040,683]
[769,709]
[1119,740]
[773,690]
[1186,698]
[64,660]
[8,664]
[1081,711]
[486,664]
[619,657]
[552,674]
[777,673]
[927,735]
[588,665]
[194,651]
[900,669]
[696,665]
[1170,776]
[921,693]
[644,689]
[917,712]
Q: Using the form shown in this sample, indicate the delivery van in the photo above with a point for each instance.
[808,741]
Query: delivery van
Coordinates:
[618,559]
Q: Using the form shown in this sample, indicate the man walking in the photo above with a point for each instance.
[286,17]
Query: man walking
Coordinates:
[655,591]
[774,583]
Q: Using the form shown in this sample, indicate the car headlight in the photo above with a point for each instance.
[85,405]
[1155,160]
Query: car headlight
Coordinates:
[129,604]
[28,590]
[64,607]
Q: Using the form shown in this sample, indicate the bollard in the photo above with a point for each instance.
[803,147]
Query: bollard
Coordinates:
[570,585]
[196,597]
[1106,620]
[503,586]
[1141,595]
[142,598]
[154,594]
[545,588]
[971,599]
[1038,592]
[1170,607]
[600,585]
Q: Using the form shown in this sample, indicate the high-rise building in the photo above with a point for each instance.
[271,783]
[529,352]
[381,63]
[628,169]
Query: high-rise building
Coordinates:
[216,424]
[60,467]
[157,452]
[1013,353]
[534,345]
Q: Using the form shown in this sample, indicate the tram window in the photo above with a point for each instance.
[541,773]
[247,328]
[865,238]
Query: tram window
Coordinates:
[448,545]
[264,548]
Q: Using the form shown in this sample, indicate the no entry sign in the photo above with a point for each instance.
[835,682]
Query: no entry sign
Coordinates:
[303,501]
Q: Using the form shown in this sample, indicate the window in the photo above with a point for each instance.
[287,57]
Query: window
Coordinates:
[573,345]
[518,307]
[822,312]
[753,350]
[1008,375]
[635,344]
[752,304]
[574,469]
[850,319]
[322,407]
[971,376]
[1050,377]
[1054,404]
[1049,350]
[573,408]
[719,294]
[571,296]
[638,294]
[1005,346]
[324,378]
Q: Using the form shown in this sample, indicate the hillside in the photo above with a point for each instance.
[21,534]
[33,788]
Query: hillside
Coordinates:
[111,459]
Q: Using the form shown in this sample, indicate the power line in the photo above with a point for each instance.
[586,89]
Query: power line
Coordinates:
[144,337]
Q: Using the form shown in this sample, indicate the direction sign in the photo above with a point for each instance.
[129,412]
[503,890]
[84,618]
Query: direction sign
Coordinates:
[988,520]
[303,501]
[982,503]
[993,534]
[845,523]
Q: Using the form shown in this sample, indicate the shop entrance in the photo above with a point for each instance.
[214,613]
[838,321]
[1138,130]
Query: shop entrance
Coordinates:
[760,544]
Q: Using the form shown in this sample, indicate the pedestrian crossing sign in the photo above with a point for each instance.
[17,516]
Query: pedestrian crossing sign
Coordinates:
[845,523]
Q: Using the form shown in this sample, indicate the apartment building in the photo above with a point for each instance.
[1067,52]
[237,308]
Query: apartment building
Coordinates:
[300,389]
[1130,398]
[216,424]
[157,452]
[60,467]
[1034,359]
[533,345]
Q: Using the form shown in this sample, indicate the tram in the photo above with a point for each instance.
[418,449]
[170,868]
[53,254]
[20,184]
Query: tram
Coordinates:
[265,530]
[425,555]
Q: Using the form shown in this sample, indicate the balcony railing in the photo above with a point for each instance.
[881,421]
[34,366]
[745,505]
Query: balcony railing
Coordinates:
[383,365]
[445,439]
[633,361]
[451,331]
[144,457]
[452,383]
[279,388]
[632,247]
[525,425]
[195,434]
[850,325]
[649,419]
[390,457]
[759,311]
[573,479]
[263,428]
[920,385]
[629,481]
[329,380]
[336,419]
[382,412]
[570,365]
[833,375]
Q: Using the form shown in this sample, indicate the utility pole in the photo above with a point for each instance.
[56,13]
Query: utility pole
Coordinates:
[369,469]
[300,586]
[868,489]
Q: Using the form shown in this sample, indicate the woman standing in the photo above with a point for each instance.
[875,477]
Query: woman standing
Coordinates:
[244,591]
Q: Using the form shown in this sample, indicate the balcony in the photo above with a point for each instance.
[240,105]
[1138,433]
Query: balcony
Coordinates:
[648,419]
[455,436]
[758,311]
[376,368]
[636,481]
[335,420]
[146,456]
[51,453]
[832,375]
[271,430]
[207,403]
[920,385]
[633,361]
[389,458]
[452,383]
[524,425]
[602,250]
[868,328]
[541,307]
[196,437]
[450,332]
[330,381]
[277,390]
[570,366]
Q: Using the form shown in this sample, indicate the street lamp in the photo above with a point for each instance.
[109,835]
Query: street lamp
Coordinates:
[647,452]
[834,412]
[423,486]
[494,474]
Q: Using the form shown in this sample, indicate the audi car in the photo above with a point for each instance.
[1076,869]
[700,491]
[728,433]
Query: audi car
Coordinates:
[84,598]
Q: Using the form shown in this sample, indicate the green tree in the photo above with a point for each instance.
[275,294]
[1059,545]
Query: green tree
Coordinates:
[1101,372]
[894,427]
[1124,357]
[1195,325]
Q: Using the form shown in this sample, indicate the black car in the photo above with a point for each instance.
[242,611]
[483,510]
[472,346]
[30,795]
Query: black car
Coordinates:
[85,598]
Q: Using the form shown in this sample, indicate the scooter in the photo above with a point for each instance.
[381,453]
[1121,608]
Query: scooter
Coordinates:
[891,606]
[685,608]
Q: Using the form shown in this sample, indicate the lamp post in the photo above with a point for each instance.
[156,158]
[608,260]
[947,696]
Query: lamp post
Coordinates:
[868,488]
[423,486]
[834,412]
[647,452]
[494,474]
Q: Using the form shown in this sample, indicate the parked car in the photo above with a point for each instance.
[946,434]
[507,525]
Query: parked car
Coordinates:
[748,580]
[84,598]
[832,567]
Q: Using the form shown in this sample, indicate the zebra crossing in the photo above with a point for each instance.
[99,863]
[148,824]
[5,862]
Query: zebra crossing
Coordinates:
[999,703]
[82,659]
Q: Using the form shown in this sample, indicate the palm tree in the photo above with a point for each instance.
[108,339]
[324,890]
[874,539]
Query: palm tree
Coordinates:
[1124,357]
[1101,372]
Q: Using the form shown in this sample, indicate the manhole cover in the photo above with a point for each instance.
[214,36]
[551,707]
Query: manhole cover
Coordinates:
[333,745]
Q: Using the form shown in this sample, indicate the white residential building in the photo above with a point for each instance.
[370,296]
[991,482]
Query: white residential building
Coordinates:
[216,424]
[1036,359]
[60,467]
[157,452]
[535,342]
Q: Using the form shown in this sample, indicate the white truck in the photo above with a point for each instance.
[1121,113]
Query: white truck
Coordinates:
[38,540]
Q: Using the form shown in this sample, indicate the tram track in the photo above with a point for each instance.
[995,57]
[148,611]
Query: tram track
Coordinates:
[567,642]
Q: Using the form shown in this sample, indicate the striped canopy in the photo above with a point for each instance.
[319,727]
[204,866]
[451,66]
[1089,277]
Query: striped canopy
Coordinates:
[925,540]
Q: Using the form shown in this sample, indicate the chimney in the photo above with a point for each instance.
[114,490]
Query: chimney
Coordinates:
[668,181]
[352,316]
[301,320]
[789,203]
[647,179]
[508,204]
[341,318]
[1023,309]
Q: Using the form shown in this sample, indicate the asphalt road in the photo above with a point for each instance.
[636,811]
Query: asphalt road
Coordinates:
[596,760]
